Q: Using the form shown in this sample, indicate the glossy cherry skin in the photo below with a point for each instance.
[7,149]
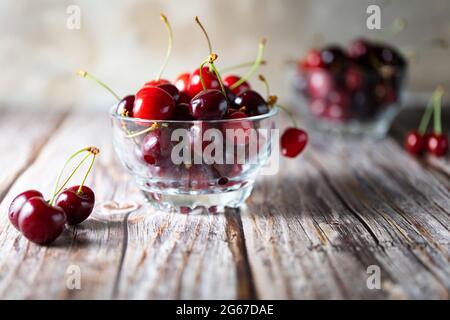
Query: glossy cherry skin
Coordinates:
[208,105]
[182,112]
[293,141]
[195,84]
[437,144]
[40,222]
[414,143]
[155,83]
[253,102]
[17,204]
[172,90]
[156,146]
[77,206]
[182,81]
[153,103]
[184,98]
[232,79]
[125,106]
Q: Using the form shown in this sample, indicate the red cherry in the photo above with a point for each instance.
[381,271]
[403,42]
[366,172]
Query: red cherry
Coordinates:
[293,141]
[354,78]
[195,84]
[208,105]
[253,102]
[172,90]
[320,82]
[182,81]
[414,142]
[156,146]
[153,103]
[77,206]
[241,130]
[232,79]
[40,222]
[17,204]
[437,144]
[313,59]
[156,83]
[182,112]
[184,98]
[125,106]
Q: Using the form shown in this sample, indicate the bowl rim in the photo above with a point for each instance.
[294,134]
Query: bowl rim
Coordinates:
[272,112]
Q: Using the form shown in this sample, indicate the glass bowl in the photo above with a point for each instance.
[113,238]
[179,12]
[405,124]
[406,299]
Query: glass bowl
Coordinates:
[184,166]
[355,100]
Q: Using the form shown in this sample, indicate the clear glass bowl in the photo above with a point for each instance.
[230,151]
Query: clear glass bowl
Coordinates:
[355,101]
[212,174]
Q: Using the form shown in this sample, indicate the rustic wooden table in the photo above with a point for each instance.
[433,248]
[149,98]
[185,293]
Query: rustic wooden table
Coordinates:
[310,232]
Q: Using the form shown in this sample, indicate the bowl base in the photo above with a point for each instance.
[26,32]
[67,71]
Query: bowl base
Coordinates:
[198,203]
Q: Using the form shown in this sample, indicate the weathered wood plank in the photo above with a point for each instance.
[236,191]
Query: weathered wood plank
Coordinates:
[22,138]
[31,271]
[312,231]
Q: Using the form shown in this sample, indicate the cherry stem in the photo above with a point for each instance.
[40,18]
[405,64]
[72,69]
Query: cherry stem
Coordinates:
[80,188]
[212,58]
[59,189]
[426,116]
[202,80]
[266,85]
[206,34]
[240,66]
[289,113]
[169,47]
[437,110]
[85,74]
[255,66]
[138,133]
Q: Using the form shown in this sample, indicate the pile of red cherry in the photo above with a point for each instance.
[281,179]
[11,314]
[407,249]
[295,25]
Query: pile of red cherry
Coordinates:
[354,84]
[201,95]
[419,141]
[42,221]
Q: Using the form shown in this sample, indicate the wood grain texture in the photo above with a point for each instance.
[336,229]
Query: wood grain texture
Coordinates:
[309,232]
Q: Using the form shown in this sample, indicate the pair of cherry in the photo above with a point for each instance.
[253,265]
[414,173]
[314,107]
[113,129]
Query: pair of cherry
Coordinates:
[419,141]
[201,95]
[42,221]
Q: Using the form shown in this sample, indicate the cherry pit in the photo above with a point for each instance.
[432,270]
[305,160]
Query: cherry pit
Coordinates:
[42,221]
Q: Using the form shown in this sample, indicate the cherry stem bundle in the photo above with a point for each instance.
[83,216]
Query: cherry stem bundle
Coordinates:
[255,66]
[85,74]
[90,151]
[169,47]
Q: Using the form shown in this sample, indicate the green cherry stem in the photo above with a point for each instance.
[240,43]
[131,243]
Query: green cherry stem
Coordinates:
[197,20]
[427,116]
[169,47]
[255,66]
[85,74]
[59,189]
[80,188]
[437,110]
[241,66]
[212,58]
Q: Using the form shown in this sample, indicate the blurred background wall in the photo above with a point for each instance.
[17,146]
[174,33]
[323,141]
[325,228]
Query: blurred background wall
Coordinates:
[124,42]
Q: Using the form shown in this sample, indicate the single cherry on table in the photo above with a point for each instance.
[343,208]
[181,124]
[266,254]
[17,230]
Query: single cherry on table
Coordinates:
[77,204]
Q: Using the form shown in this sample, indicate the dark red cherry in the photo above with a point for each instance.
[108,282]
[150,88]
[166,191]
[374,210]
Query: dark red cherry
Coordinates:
[182,81]
[232,79]
[156,146]
[172,90]
[155,83]
[333,57]
[125,106]
[40,222]
[195,84]
[253,102]
[77,205]
[208,105]
[437,144]
[184,98]
[293,141]
[414,142]
[313,59]
[153,103]
[17,204]
[182,112]
[239,131]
